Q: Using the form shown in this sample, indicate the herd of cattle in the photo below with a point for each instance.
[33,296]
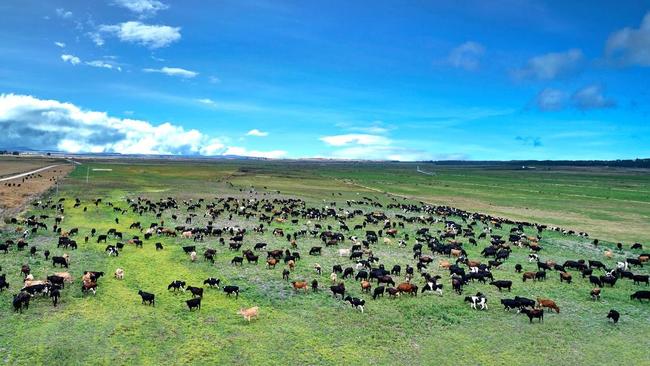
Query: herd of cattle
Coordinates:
[295,222]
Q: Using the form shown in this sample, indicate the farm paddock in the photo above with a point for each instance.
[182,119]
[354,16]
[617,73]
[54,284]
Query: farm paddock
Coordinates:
[298,327]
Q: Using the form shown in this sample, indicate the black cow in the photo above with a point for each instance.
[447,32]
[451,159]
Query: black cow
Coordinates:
[315,251]
[61,261]
[338,290]
[502,284]
[614,315]
[55,294]
[147,297]
[640,295]
[595,281]
[56,280]
[194,303]
[349,272]
[356,302]
[361,275]
[525,301]
[510,304]
[196,291]
[229,290]
[159,246]
[641,278]
[237,260]
[534,313]
[101,238]
[396,271]
[21,301]
[378,291]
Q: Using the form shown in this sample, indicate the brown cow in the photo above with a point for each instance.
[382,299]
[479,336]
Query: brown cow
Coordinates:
[444,264]
[528,276]
[249,313]
[408,288]
[271,262]
[456,252]
[297,285]
[365,286]
[548,303]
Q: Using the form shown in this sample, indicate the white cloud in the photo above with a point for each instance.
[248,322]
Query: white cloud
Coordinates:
[207,101]
[551,66]
[104,65]
[60,44]
[151,36]
[144,8]
[591,97]
[256,132]
[63,13]
[96,38]
[630,46]
[273,154]
[74,60]
[214,80]
[174,71]
[551,99]
[355,138]
[466,56]
[29,122]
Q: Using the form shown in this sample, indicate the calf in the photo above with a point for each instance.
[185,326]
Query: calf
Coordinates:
[250,313]
[147,297]
[229,290]
[297,285]
[194,303]
[547,303]
[55,294]
[595,294]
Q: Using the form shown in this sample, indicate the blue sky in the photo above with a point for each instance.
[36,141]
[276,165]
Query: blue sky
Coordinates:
[416,80]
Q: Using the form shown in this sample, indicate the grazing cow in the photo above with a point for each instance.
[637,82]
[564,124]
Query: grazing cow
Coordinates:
[212,282]
[119,273]
[348,272]
[3,282]
[613,315]
[249,313]
[55,294]
[510,304]
[314,285]
[610,280]
[338,289]
[62,261]
[259,246]
[597,264]
[565,277]
[392,292]
[634,262]
[315,251]
[523,301]
[356,302]
[595,281]
[408,288]
[361,275]
[365,286]
[595,294]
[102,238]
[147,297]
[502,284]
[475,301]
[528,276]
[297,285]
[432,287]
[518,268]
[196,291]
[378,291]
[344,252]
[285,274]
[20,301]
[641,278]
[271,263]
[176,285]
[547,303]
[229,290]
[640,295]
[534,313]
[237,260]
[159,246]
[194,303]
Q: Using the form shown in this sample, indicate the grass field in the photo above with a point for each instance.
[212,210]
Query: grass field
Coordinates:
[315,329]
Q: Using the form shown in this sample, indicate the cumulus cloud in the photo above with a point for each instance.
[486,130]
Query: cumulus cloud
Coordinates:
[355,138]
[144,8]
[551,99]
[60,44]
[29,122]
[151,36]
[74,60]
[591,97]
[630,46]
[62,13]
[466,56]
[256,132]
[174,71]
[551,66]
